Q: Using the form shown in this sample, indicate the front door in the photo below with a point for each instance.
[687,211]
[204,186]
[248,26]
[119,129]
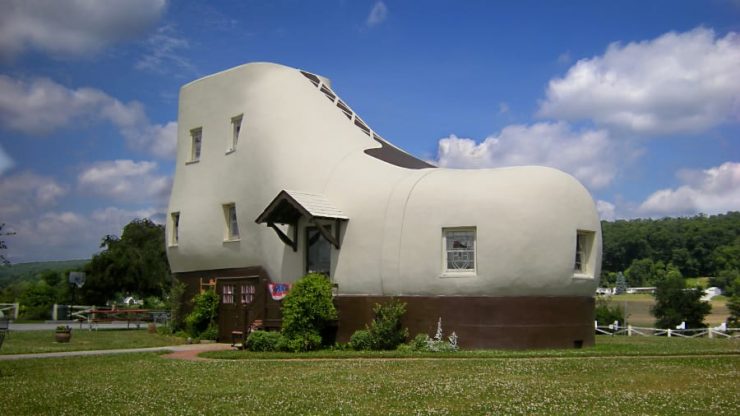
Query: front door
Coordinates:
[318,252]
[239,305]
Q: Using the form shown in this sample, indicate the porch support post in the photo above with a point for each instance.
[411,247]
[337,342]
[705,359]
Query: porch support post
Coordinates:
[284,238]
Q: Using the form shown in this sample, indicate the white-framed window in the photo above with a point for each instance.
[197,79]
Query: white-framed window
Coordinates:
[232,225]
[584,243]
[236,128]
[227,294]
[459,250]
[175,224]
[196,139]
[247,292]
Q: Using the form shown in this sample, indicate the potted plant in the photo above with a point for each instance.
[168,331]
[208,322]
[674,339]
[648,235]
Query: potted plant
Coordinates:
[63,333]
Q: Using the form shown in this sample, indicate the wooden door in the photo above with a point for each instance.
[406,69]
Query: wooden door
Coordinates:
[239,305]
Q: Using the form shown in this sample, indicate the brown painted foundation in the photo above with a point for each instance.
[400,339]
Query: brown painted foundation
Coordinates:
[479,322]
[484,322]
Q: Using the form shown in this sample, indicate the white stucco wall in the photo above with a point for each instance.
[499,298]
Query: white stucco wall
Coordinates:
[293,137]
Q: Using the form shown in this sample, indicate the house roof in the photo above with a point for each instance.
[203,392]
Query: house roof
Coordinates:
[288,206]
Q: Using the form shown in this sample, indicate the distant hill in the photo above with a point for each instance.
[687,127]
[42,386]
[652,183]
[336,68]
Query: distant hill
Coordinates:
[28,271]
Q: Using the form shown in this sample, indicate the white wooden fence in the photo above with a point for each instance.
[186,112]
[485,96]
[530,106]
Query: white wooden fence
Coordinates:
[680,331]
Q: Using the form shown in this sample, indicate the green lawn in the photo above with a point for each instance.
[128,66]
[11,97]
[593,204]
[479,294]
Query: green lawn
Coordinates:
[533,383]
[29,342]
[606,346]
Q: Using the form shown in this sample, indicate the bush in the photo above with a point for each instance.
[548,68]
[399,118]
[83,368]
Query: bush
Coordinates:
[308,309]
[264,341]
[386,331]
[210,333]
[420,342]
[204,315]
[607,313]
[361,340]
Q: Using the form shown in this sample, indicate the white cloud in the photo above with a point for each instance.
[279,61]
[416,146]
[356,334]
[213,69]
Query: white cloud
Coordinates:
[676,83]
[163,53]
[73,27]
[28,192]
[65,235]
[125,180]
[589,155]
[6,162]
[711,191]
[377,15]
[607,210]
[41,106]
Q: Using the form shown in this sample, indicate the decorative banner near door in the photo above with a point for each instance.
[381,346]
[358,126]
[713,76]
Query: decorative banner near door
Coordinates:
[278,290]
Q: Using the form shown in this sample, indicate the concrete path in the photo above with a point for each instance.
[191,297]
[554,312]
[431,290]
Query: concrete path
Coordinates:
[188,352]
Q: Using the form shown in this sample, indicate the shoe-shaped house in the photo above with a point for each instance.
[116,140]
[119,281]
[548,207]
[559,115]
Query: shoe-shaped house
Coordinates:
[277,176]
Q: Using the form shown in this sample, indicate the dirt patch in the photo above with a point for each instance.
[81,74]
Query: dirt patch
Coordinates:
[192,352]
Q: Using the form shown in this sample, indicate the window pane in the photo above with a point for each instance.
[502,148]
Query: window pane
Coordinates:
[460,249]
[233,224]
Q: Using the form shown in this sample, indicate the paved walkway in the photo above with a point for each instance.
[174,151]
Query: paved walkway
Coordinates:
[185,352]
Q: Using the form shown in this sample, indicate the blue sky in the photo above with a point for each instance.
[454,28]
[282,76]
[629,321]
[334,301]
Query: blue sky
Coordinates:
[638,100]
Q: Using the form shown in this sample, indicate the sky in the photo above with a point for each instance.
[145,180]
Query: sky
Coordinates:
[638,100]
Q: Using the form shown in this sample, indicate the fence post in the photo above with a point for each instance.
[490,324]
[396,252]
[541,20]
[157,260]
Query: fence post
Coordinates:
[669,332]
[629,330]
[17,309]
[710,333]
[54,313]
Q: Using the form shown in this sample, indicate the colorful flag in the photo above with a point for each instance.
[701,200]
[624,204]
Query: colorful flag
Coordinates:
[278,290]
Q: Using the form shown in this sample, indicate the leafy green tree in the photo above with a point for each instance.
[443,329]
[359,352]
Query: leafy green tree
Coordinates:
[641,272]
[674,303]
[136,263]
[308,309]
[728,281]
[733,321]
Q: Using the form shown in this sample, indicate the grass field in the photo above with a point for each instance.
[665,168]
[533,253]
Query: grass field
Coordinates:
[31,342]
[537,383]
[637,309]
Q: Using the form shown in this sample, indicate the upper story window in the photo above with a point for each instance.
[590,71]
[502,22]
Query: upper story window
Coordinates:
[459,250]
[584,243]
[232,225]
[175,224]
[236,127]
[196,136]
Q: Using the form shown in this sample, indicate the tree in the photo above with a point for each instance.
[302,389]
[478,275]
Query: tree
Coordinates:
[136,263]
[621,284]
[674,303]
[734,306]
[307,310]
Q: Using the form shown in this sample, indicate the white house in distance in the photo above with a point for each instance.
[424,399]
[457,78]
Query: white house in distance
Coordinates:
[276,176]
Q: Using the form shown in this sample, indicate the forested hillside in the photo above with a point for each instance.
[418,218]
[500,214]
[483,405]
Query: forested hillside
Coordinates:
[696,246]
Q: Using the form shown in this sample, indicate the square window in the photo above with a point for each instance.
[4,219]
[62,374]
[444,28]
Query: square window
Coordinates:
[196,136]
[459,249]
[247,292]
[175,224]
[584,243]
[232,225]
[236,127]
[227,294]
